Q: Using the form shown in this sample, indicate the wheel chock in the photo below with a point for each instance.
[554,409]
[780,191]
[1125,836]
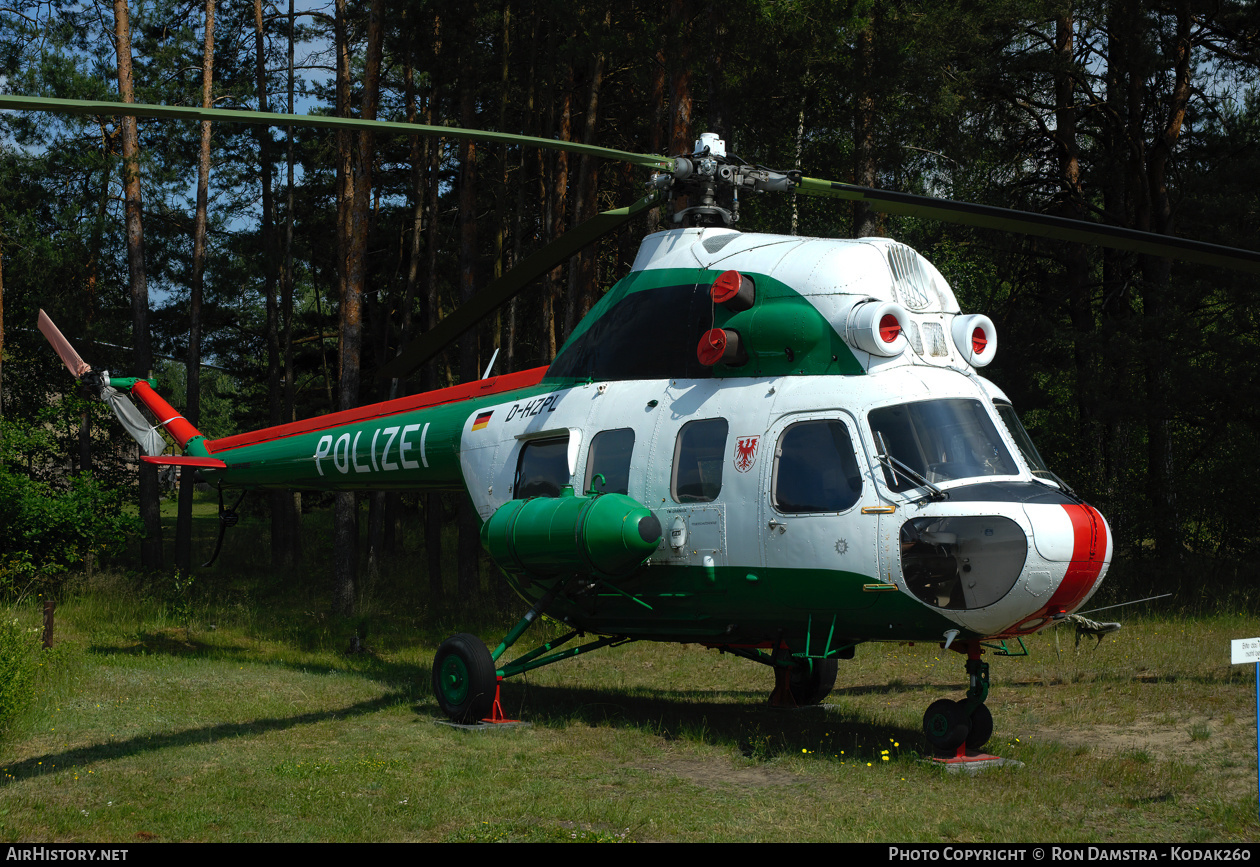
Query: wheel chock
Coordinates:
[972,761]
[782,697]
[497,717]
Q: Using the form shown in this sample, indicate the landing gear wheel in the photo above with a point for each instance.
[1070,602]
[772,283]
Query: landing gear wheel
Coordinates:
[945,726]
[812,680]
[464,678]
[981,726]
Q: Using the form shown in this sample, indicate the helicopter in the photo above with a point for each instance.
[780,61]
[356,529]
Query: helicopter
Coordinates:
[779,447]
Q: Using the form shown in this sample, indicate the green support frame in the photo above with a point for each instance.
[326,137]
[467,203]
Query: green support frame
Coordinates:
[531,661]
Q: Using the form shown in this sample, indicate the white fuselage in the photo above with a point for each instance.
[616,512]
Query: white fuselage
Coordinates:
[1048,550]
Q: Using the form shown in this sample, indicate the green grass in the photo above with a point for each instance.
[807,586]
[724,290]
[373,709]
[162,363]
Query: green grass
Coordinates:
[251,724]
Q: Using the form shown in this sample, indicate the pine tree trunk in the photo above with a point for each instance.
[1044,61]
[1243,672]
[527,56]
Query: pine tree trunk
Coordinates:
[293,507]
[469,540]
[864,119]
[355,161]
[582,265]
[1075,257]
[280,501]
[557,194]
[432,298]
[1,331]
[150,514]
[1157,307]
[680,103]
[192,410]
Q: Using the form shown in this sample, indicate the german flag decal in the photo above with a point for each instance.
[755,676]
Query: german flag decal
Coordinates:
[482,419]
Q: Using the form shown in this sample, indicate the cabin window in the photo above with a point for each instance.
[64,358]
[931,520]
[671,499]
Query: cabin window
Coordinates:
[542,470]
[610,457]
[698,457]
[815,469]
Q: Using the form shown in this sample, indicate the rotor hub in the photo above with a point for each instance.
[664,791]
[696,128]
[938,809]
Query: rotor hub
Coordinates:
[709,173]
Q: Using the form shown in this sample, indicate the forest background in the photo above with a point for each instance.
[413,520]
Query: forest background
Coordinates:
[264,274]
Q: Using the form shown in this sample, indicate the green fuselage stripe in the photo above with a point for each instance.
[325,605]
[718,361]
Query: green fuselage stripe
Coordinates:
[413,451]
[725,607]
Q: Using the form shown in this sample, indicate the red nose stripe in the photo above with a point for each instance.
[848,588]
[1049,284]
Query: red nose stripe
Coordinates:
[1089,547]
[1089,550]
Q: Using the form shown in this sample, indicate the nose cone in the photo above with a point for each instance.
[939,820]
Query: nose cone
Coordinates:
[962,562]
[1004,559]
[1073,537]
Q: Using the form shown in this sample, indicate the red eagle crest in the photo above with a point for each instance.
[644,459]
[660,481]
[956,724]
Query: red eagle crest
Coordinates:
[746,453]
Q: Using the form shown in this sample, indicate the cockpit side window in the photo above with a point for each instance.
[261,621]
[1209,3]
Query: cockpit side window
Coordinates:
[699,454]
[815,469]
[542,470]
[1023,441]
[610,457]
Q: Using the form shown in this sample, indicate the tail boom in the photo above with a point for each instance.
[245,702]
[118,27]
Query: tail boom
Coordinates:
[186,436]
[411,443]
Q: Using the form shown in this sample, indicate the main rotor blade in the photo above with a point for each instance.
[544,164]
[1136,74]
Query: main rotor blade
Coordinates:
[223,115]
[62,347]
[485,301]
[1041,225]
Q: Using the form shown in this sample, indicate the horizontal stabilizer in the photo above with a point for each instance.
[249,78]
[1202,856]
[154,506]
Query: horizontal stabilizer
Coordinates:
[184,461]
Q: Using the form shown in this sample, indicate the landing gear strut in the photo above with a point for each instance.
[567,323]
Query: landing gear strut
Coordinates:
[466,675]
[953,727]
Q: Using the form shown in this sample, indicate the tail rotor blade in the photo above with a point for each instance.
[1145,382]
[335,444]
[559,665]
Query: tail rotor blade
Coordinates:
[62,347]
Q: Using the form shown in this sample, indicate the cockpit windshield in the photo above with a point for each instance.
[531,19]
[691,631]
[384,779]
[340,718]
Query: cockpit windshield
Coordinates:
[941,441]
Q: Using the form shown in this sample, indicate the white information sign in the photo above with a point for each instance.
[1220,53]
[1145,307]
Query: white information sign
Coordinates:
[1244,650]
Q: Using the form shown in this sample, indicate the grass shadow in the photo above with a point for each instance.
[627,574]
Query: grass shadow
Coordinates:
[740,720]
[46,764]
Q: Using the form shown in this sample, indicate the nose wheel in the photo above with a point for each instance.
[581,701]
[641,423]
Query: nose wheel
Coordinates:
[947,725]
[981,727]
[950,726]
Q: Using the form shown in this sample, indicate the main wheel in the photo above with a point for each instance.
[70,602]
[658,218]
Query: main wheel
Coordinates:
[945,726]
[464,678]
[981,726]
[812,680]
